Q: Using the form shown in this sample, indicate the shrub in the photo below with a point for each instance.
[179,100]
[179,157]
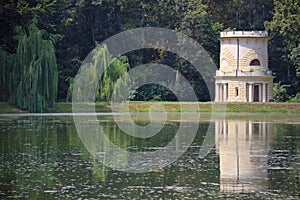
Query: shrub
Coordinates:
[280,94]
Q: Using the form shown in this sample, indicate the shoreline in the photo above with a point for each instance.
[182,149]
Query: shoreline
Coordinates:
[204,107]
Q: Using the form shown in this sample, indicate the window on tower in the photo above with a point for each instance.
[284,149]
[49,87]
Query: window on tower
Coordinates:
[236,91]
[255,62]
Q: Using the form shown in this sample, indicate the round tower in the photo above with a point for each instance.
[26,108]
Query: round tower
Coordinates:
[244,75]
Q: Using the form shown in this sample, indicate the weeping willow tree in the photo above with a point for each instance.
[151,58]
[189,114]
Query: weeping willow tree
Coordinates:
[112,84]
[34,78]
[6,64]
[107,83]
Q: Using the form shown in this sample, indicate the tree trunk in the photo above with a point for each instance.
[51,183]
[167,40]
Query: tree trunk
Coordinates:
[117,16]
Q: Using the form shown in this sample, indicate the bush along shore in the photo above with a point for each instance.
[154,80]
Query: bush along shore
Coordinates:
[63,107]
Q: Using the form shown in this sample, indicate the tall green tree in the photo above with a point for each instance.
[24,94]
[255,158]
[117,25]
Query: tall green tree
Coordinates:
[90,75]
[33,80]
[285,29]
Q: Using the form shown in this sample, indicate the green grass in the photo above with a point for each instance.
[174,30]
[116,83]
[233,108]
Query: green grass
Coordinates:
[7,108]
[66,107]
[204,107]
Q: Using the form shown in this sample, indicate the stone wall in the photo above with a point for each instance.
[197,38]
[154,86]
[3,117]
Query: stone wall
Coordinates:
[249,49]
[242,91]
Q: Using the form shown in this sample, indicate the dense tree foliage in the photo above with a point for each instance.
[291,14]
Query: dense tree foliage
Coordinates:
[78,26]
[33,77]
[103,72]
[7,61]
[285,28]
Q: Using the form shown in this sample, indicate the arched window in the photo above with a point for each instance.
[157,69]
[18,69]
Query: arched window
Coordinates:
[255,62]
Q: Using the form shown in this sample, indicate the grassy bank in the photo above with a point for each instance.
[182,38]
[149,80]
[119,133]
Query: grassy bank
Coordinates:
[63,107]
[7,108]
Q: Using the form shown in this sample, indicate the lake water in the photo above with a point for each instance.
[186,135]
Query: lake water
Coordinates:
[244,157]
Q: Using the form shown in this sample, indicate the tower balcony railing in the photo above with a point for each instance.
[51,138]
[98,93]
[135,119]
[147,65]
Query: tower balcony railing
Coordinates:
[244,34]
[245,73]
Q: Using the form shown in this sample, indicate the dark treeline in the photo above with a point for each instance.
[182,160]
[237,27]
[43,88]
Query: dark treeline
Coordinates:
[75,27]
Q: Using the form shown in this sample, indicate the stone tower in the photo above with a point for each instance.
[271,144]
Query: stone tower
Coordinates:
[244,75]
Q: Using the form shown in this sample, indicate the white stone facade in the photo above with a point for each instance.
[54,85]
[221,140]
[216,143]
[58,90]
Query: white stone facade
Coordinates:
[244,75]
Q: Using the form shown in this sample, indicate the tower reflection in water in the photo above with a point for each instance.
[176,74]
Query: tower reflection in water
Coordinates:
[243,148]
